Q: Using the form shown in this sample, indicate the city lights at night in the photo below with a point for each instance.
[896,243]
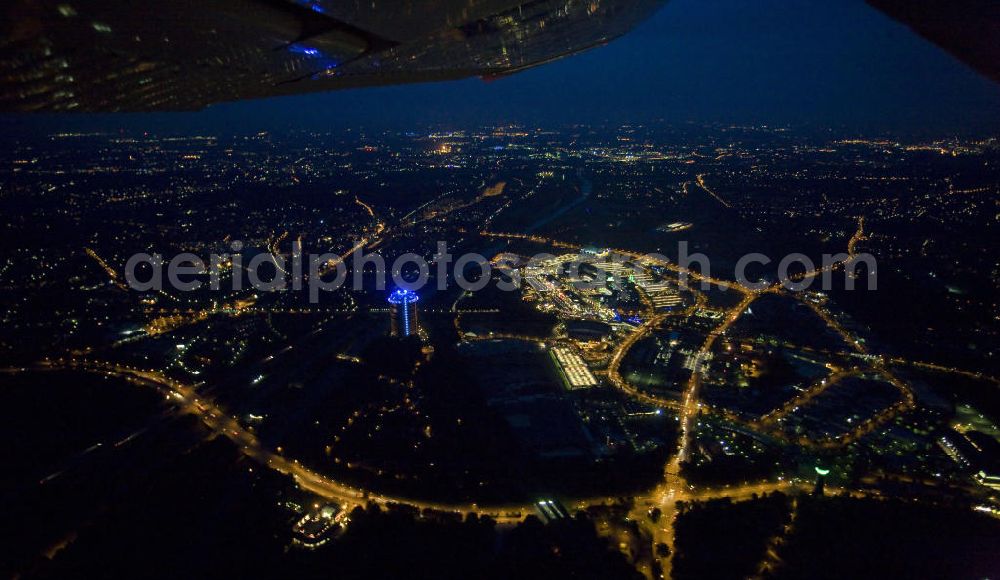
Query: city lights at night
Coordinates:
[633,289]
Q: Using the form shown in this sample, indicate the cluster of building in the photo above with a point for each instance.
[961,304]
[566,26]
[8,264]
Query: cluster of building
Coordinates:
[575,372]
[599,284]
[974,452]
[319,526]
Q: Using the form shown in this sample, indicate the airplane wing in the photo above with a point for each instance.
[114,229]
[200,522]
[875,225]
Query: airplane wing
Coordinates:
[968,29]
[106,55]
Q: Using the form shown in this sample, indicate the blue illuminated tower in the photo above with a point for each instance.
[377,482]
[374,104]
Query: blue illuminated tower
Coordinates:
[403,309]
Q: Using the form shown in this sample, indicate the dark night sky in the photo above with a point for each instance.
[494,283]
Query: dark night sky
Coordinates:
[746,61]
